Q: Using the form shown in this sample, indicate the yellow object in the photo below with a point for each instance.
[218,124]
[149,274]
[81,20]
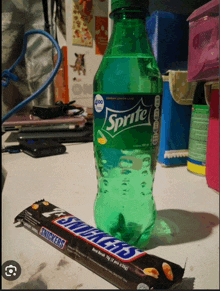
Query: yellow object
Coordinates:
[151,272]
[197,169]
[167,271]
[35,206]
[102,140]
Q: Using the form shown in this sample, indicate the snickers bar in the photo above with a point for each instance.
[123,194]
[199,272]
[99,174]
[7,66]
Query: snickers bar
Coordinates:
[121,264]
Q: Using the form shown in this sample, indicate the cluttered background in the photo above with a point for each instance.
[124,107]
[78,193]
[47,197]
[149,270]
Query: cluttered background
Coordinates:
[185,42]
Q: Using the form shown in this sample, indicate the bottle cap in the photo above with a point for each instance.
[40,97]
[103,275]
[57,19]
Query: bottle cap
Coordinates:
[134,4]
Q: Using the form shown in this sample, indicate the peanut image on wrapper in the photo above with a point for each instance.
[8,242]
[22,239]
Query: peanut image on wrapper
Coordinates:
[167,271]
[35,206]
[151,272]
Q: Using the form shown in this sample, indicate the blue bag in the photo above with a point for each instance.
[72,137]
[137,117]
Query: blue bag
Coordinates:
[176,116]
[168,34]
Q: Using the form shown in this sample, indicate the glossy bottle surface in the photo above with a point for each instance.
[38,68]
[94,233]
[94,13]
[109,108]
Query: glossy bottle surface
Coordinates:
[127,102]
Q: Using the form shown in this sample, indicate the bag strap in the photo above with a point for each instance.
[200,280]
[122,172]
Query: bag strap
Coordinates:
[46,18]
[53,23]
[51,28]
[57,5]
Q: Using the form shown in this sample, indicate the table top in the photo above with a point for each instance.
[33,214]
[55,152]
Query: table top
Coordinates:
[183,200]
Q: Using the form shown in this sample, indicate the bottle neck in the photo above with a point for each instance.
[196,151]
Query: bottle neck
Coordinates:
[129,35]
[126,13]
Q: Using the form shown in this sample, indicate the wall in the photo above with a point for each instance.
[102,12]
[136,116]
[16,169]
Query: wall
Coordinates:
[81,89]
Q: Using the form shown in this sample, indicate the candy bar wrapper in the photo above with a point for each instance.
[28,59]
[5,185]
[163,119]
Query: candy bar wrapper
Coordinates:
[121,264]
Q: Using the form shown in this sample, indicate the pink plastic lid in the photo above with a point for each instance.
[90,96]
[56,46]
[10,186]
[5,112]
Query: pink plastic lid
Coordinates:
[205,10]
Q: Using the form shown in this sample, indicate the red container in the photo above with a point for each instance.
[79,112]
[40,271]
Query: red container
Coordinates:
[212,158]
[203,59]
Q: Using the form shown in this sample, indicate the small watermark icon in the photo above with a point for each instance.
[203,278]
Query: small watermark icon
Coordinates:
[11,270]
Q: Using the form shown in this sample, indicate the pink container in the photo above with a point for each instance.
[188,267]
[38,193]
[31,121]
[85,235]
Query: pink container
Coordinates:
[203,60]
[212,156]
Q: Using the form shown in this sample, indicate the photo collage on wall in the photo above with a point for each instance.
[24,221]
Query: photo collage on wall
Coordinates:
[83,23]
[89,39]
[101,34]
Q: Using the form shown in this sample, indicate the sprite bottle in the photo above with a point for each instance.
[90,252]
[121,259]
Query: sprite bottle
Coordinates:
[127,109]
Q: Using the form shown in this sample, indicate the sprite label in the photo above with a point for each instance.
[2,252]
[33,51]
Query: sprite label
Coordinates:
[127,121]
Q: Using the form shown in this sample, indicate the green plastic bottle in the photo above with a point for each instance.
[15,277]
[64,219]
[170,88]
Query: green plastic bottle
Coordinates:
[127,110]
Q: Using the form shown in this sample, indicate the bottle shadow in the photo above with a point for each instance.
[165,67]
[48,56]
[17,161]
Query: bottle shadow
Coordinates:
[185,284]
[175,226]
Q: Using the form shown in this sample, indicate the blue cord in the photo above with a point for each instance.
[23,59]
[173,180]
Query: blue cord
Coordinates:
[8,74]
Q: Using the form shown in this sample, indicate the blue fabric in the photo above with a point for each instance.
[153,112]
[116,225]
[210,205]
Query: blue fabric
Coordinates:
[168,34]
[196,162]
[175,127]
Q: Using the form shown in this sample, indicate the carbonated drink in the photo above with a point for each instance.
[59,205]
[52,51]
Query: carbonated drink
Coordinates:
[127,109]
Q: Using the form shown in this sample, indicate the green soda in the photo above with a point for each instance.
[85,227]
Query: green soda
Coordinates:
[127,110]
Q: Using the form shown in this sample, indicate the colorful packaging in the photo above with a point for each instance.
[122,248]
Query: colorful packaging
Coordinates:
[121,264]
[198,139]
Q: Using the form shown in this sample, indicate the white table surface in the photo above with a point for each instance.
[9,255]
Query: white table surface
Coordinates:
[183,200]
